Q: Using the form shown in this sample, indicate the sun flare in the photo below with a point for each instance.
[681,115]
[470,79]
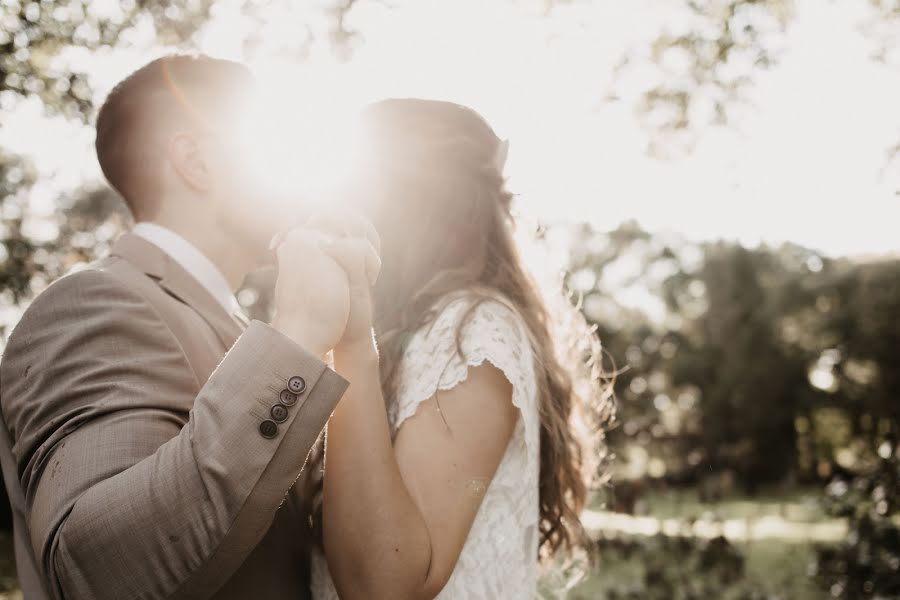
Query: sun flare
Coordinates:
[302,142]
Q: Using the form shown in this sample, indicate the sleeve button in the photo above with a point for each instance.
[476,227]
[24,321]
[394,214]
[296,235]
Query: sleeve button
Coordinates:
[287,398]
[268,428]
[296,384]
[279,413]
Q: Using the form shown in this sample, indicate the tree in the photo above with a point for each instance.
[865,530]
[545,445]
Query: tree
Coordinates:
[770,362]
[708,58]
[35,36]
[707,65]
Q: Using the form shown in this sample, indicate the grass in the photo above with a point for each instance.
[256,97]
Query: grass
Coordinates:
[774,566]
[799,505]
[773,570]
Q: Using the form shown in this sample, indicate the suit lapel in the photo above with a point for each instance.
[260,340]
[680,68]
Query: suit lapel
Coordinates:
[172,277]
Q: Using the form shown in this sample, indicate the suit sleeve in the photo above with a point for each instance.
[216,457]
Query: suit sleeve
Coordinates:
[137,485]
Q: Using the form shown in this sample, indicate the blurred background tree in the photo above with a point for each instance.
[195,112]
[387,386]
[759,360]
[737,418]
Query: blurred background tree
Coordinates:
[750,373]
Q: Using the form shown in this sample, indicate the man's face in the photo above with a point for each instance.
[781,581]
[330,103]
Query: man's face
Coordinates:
[243,179]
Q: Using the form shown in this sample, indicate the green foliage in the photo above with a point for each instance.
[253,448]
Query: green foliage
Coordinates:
[670,568]
[766,363]
[17,250]
[35,36]
[708,56]
[751,383]
[867,564]
[709,63]
[704,569]
[763,566]
[39,249]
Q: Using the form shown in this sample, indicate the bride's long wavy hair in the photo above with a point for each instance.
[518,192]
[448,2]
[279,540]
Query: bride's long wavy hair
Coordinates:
[438,199]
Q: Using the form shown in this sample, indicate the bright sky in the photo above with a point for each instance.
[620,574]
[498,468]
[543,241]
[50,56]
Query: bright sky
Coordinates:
[803,164]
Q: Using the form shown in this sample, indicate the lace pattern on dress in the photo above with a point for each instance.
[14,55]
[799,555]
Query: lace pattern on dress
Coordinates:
[499,558]
[430,363]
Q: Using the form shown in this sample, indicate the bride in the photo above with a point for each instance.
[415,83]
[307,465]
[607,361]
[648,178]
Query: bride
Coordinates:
[453,463]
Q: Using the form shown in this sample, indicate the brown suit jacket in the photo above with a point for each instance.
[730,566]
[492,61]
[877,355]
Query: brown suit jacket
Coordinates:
[141,469]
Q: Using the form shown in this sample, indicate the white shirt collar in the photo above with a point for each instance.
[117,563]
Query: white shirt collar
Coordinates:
[191,260]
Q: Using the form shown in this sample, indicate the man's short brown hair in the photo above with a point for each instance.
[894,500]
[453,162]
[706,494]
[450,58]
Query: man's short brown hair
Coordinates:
[134,122]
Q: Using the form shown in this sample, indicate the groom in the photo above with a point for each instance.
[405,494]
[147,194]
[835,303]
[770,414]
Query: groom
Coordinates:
[152,437]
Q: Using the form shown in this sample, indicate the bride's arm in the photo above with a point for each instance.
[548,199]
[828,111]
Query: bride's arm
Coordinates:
[396,516]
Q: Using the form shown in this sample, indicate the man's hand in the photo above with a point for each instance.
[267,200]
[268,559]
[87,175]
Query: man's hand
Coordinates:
[354,244]
[312,292]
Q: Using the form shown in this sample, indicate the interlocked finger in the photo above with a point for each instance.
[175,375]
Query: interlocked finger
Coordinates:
[342,222]
[358,257]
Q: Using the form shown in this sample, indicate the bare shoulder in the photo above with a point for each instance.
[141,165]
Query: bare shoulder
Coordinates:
[481,405]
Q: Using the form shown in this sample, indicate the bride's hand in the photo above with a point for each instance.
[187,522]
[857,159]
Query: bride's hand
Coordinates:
[314,317]
[354,244]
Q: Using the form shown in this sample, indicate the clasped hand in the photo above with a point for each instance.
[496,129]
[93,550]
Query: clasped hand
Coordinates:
[326,269]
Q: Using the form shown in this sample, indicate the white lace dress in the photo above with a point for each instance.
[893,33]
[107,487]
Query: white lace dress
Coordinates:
[499,558]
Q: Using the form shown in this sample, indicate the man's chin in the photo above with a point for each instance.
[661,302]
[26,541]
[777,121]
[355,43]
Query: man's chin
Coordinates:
[254,244]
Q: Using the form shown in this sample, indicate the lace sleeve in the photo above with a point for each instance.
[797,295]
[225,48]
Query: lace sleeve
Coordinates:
[494,332]
[498,559]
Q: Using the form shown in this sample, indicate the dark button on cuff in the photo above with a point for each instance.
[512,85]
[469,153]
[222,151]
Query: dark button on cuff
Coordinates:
[296,384]
[287,398]
[279,413]
[268,428]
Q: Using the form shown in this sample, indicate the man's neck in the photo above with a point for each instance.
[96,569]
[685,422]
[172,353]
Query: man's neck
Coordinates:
[229,256]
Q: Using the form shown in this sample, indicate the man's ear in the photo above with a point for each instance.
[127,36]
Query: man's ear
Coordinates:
[188,160]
